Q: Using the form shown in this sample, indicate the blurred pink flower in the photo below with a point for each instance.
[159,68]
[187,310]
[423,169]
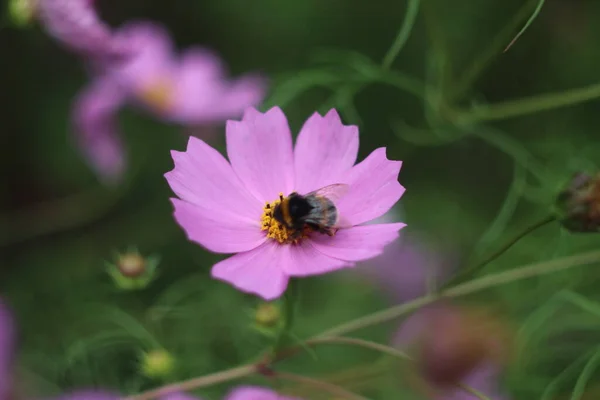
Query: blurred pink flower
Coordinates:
[239,393]
[97,138]
[191,90]
[255,393]
[443,357]
[224,205]
[76,25]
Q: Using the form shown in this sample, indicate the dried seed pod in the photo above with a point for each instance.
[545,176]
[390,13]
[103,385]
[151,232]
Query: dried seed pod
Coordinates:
[579,204]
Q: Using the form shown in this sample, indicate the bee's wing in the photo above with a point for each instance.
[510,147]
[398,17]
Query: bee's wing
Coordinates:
[332,192]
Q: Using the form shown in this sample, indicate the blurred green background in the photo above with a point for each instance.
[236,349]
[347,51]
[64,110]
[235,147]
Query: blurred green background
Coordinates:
[474,178]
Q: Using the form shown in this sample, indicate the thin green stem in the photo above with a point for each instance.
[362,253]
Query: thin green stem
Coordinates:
[321,385]
[473,286]
[471,271]
[529,105]
[360,343]
[476,285]
[487,55]
[527,24]
[194,383]
[474,392]
[412,9]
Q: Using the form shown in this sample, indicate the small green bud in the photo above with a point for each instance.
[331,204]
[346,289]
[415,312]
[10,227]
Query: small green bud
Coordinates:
[579,204]
[22,12]
[157,364]
[267,315]
[132,271]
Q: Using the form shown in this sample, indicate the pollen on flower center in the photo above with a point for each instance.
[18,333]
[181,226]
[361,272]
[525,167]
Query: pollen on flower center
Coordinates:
[158,94]
[275,229]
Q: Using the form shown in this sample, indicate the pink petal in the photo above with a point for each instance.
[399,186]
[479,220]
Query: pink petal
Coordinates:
[203,94]
[76,25]
[304,260]
[257,271]
[374,188]
[255,393]
[218,231]
[325,150]
[260,150]
[357,243]
[202,176]
[151,60]
[96,135]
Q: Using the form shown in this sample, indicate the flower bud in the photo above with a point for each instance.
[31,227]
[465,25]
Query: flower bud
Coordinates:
[579,204]
[22,12]
[267,315]
[267,318]
[132,271]
[157,364]
[456,340]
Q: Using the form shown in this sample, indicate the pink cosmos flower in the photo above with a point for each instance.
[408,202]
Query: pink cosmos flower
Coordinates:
[227,207]
[76,25]
[189,90]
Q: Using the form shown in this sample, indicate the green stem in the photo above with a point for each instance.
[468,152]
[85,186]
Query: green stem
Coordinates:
[476,285]
[529,105]
[361,343]
[194,383]
[290,301]
[499,41]
[473,286]
[470,271]
[412,9]
[529,22]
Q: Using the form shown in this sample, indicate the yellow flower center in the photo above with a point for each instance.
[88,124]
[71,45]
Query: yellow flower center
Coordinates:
[158,94]
[275,229]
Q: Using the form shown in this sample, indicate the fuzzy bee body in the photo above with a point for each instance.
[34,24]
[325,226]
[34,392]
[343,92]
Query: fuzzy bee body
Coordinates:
[315,210]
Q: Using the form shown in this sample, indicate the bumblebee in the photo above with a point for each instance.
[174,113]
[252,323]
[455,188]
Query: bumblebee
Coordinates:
[315,210]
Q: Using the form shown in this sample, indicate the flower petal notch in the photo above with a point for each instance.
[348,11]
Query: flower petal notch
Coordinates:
[283,211]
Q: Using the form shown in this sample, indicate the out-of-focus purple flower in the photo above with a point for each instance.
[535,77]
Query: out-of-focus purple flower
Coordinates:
[239,393]
[190,90]
[96,132]
[255,393]
[452,344]
[229,207]
[406,266]
[76,25]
